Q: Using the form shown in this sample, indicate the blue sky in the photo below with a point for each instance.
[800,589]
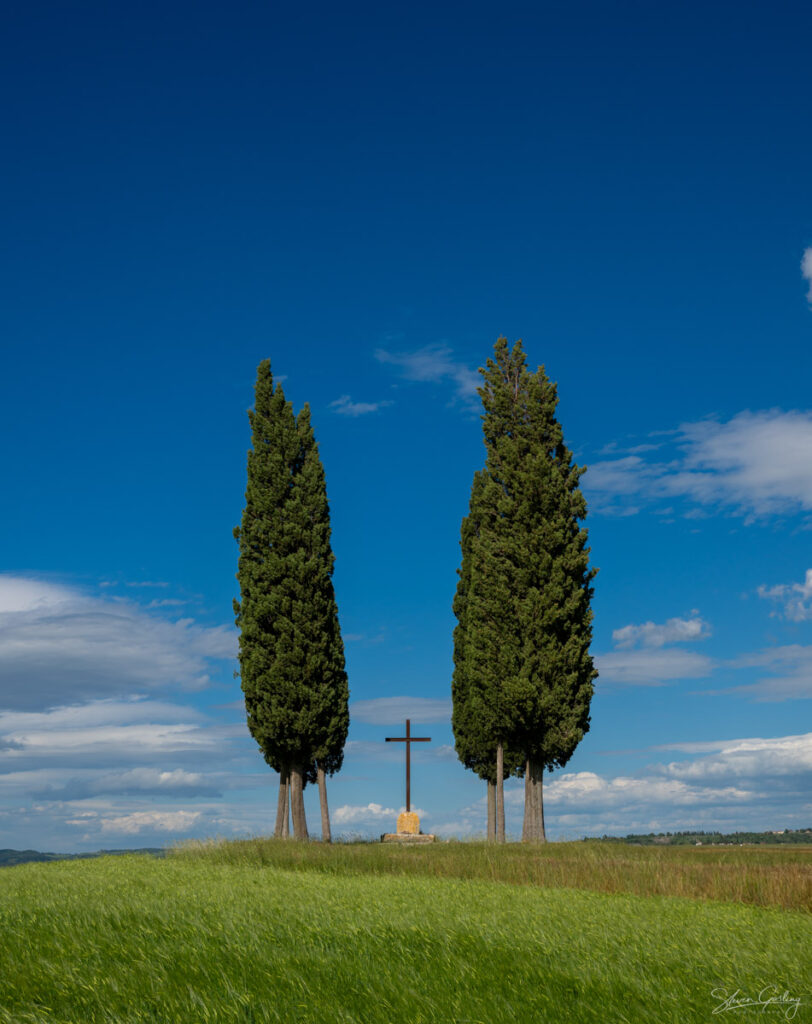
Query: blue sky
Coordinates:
[369,197]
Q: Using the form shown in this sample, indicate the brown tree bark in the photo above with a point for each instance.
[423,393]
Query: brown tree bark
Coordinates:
[286,819]
[491,811]
[297,803]
[500,793]
[325,814]
[281,827]
[540,808]
[528,807]
[533,831]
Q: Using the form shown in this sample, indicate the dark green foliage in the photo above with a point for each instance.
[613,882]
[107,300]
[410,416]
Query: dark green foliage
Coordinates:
[317,617]
[523,673]
[473,730]
[291,653]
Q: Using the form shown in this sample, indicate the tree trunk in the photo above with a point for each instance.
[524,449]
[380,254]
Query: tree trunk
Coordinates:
[540,806]
[500,793]
[533,831]
[281,826]
[286,817]
[527,824]
[491,811]
[297,803]
[325,814]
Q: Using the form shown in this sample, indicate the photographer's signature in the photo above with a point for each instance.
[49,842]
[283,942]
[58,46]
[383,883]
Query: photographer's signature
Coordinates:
[770,997]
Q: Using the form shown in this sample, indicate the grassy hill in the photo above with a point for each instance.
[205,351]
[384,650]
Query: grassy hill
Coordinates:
[274,931]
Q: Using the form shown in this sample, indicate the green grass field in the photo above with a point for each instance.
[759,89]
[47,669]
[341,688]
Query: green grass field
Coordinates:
[289,932]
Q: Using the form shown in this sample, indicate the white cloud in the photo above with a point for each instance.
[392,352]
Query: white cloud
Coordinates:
[112,736]
[365,639]
[26,595]
[792,662]
[353,814]
[651,634]
[753,759]
[391,710]
[734,784]
[626,476]
[756,464]
[652,666]
[96,714]
[586,789]
[434,363]
[155,821]
[59,784]
[59,646]
[345,406]
[806,269]
[796,598]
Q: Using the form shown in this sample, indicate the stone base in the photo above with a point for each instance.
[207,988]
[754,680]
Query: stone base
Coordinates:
[408,821]
[406,837]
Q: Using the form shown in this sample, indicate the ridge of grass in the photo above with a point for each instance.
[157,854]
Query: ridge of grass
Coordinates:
[762,876]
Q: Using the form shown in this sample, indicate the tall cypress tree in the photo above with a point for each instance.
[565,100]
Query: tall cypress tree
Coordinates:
[526,607]
[474,743]
[554,594]
[318,619]
[291,656]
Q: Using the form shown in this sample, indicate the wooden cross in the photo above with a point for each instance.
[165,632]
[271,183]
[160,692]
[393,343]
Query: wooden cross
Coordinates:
[408,739]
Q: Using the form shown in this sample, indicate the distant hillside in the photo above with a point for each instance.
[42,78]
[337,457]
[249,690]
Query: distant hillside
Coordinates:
[783,837]
[11,857]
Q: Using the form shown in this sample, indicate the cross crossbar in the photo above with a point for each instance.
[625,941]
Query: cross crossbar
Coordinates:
[408,739]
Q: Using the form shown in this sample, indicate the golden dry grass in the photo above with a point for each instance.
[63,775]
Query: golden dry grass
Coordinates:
[766,876]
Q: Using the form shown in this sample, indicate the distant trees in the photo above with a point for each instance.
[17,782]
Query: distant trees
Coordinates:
[523,674]
[291,653]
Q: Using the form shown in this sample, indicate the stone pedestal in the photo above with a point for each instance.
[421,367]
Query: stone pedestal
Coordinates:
[408,830]
[409,822]
[406,837]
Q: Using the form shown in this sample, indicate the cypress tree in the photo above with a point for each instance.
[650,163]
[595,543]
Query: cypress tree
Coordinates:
[525,605]
[291,656]
[475,746]
[553,597]
[318,619]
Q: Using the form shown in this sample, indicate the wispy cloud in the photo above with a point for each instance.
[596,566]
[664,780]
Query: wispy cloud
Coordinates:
[806,270]
[365,814]
[365,639]
[583,790]
[652,634]
[733,784]
[756,464]
[350,814]
[791,677]
[751,758]
[109,735]
[59,646]
[345,406]
[435,364]
[642,656]
[148,584]
[139,821]
[78,784]
[391,710]
[795,597]
[652,667]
